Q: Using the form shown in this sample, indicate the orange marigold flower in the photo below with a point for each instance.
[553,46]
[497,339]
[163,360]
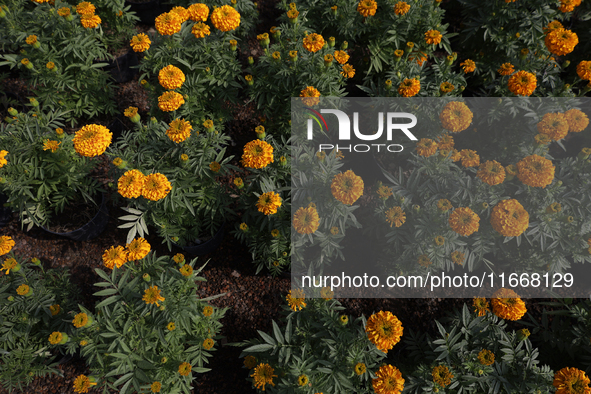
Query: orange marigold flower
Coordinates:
[170,101]
[185,369]
[577,120]
[198,12]
[90,21]
[507,305]
[156,187]
[506,69]
[433,37]
[441,375]
[152,296]
[225,18]
[131,183]
[561,41]
[584,70]
[554,125]
[64,11]
[409,87]
[426,147]
[571,381]
[347,187]
[296,300]
[491,172]
[179,130]
[306,220]
[444,205]
[181,12]
[263,375]
[568,5]
[92,140]
[388,380]
[140,43]
[401,8]
[446,87]
[522,83]
[367,8]
[257,154]
[469,158]
[458,257]
[55,309]
[554,25]
[509,218]
[268,203]
[314,42]
[171,77]
[137,249]
[384,330]
[80,320]
[395,216]
[311,92]
[85,8]
[455,117]
[468,66]
[341,56]
[82,384]
[480,306]
[464,221]
[168,23]
[200,30]
[23,289]
[115,256]
[445,141]
[51,145]
[348,71]
[536,171]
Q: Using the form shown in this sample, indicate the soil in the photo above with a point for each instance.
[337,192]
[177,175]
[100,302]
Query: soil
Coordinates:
[74,216]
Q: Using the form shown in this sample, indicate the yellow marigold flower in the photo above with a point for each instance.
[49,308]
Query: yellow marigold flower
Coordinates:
[152,295]
[568,5]
[25,62]
[433,37]
[140,43]
[292,14]
[131,183]
[522,83]
[115,256]
[444,205]
[491,172]
[486,357]
[185,369]
[314,42]
[458,257]
[64,11]
[367,8]
[401,8]
[384,330]
[456,116]
[51,145]
[10,264]
[55,309]
[250,362]
[156,387]
[257,154]
[178,258]
[268,203]
[348,71]
[171,77]
[554,125]
[214,166]
[85,8]
[6,242]
[426,147]
[186,270]
[200,30]
[311,92]
[263,375]
[82,384]
[31,40]
[296,300]
[23,290]
[198,12]
[584,70]
[225,18]
[480,306]
[360,368]
[439,240]
[303,380]
[156,187]
[506,69]
[168,23]
[207,311]
[341,56]
[170,101]
[576,119]
[446,87]
[181,12]
[469,158]
[50,65]
[535,171]
[92,140]
[388,380]
[424,260]
[80,320]
[409,87]
[208,344]
[561,41]
[542,139]
[571,381]
[306,220]
[464,221]
[441,375]
[347,187]
[468,66]
[137,249]
[507,305]
[179,130]
[90,21]
[509,218]
[130,112]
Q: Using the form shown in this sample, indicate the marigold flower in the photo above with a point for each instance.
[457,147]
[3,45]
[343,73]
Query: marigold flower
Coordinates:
[296,300]
[486,357]
[568,5]
[409,87]
[348,71]
[263,375]
[268,203]
[293,14]
[214,166]
[257,154]
[561,41]
[130,112]
[85,8]
[426,147]
[303,380]
[480,306]
[424,260]
[507,305]
[156,387]
[90,21]
[441,375]
[401,8]
[433,37]
[455,117]
[137,249]
[179,130]
[64,11]
[464,221]
[314,42]
[468,66]
[55,337]
[6,242]
[10,264]
[31,40]
[311,92]
[55,309]
[446,87]
[23,289]
[171,77]
[469,158]
[367,8]
[200,30]
[458,257]
[208,344]
[131,183]
[491,172]
[185,369]
[384,330]
[156,187]
[170,101]
[152,296]
[198,12]
[554,125]
[347,187]
[168,23]
[535,171]
[509,218]
[306,220]
[250,362]
[341,56]
[522,83]
[571,381]
[80,320]
[444,205]
[576,119]
[388,380]
[51,145]
[584,70]
[92,140]
[326,293]
[115,256]
[140,43]
[225,18]
[178,258]
[181,12]
[82,384]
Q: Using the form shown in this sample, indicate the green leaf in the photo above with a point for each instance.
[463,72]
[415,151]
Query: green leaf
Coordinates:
[105,292]
[259,348]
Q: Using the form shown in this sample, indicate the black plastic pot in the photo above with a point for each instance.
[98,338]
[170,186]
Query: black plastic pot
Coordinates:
[207,246]
[91,229]
[120,68]
[146,11]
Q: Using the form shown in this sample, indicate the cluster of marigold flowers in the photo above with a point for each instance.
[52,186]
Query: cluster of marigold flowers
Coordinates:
[85,9]
[133,184]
